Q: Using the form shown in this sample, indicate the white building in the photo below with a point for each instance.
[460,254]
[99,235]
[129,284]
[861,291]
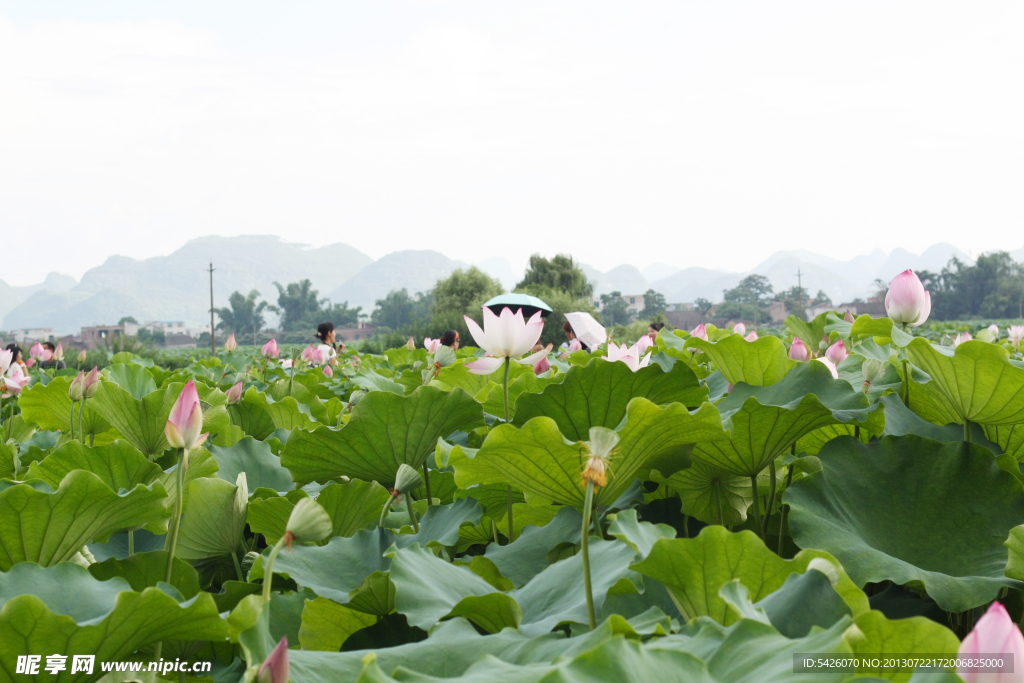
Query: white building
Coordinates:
[38,334]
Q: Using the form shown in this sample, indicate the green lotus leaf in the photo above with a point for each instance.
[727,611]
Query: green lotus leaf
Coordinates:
[140,421]
[901,638]
[695,569]
[528,383]
[811,333]
[262,468]
[442,487]
[251,416]
[384,432]
[766,421]
[640,536]
[352,506]
[900,421]
[527,556]
[702,486]
[538,460]
[145,570]
[135,379]
[1009,438]
[65,610]
[118,464]
[48,528]
[803,602]
[214,520]
[49,407]
[762,362]
[977,381]
[368,381]
[955,508]
[457,375]
[326,625]
[596,395]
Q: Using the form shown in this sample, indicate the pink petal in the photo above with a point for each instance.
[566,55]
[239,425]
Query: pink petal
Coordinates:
[485,366]
[479,336]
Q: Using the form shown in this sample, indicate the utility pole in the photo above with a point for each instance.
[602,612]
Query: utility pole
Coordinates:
[799,292]
[213,339]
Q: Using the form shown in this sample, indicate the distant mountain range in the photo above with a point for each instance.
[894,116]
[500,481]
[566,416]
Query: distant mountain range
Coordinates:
[176,286]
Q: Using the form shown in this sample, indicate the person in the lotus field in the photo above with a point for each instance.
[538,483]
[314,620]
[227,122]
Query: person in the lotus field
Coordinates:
[450,339]
[328,342]
[571,336]
[53,362]
[18,369]
[653,329]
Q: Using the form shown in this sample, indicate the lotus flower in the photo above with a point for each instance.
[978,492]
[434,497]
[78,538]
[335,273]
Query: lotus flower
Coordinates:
[76,392]
[575,345]
[830,365]
[270,349]
[11,386]
[235,394]
[630,355]
[995,633]
[961,338]
[799,350]
[5,360]
[837,353]
[38,352]
[411,344]
[287,364]
[907,302]
[91,383]
[230,345]
[30,362]
[994,329]
[644,343]
[1014,334]
[185,422]
[538,360]
[431,344]
[82,355]
[700,332]
[848,317]
[752,336]
[328,372]
[504,336]
[740,329]
[275,667]
[58,354]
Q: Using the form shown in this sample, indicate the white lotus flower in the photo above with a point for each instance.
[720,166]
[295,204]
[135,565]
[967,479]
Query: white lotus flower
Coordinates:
[504,336]
[630,355]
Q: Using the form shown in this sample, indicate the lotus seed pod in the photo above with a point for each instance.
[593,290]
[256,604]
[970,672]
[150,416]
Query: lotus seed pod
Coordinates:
[407,479]
[356,397]
[603,441]
[309,521]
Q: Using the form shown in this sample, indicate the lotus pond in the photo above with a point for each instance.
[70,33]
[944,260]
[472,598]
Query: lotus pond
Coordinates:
[703,514]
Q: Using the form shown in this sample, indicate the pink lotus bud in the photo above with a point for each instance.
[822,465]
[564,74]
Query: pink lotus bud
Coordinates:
[994,329]
[700,332]
[907,302]
[318,357]
[1014,334]
[740,329]
[270,349]
[830,365]
[328,372]
[185,422]
[575,345]
[849,316]
[235,394]
[798,350]
[11,386]
[230,345]
[30,362]
[411,344]
[58,354]
[752,336]
[37,351]
[5,360]
[431,344]
[542,365]
[837,353]
[91,383]
[961,338]
[995,633]
[307,354]
[76,387]
[82,355]
[275,667]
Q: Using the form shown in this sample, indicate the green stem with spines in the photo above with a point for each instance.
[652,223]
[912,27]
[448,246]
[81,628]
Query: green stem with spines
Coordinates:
[268,570]
[179,498]
[384,512]
[71,419]
[967,430]
[426,483]
[757,507]
[771,498]
[81,436]
[508,489]
[588,503]
[412,513]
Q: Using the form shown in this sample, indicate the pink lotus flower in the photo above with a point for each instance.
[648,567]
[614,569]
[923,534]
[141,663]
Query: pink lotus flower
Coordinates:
[994,329]
[575,345]
[318,357]
[837,353]
[740,329]
[505,336]
[830,365]
[799,351]
[235,394]
[286,364]
[644,343]
[961,338]
[11,386]
[30,362]
[328,372]
[907,302]
[185,422]
[5,360]
[700,332]
[752,336]
[91,383]
[230,345]
[275,667]
[431,344]
[38,352]
[75,391]
[538,360]
[995,633]
[630,355]
[1014,334]
[270,349]
[58,354]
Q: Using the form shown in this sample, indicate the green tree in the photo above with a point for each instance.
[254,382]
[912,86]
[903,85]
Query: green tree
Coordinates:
[754,290]
[654,304]
[993,287]
[560,273]
[339,314]
[613,309]
[299,305]
[702,305]
[128,319]
[464,292]
[398,310]
[243,315]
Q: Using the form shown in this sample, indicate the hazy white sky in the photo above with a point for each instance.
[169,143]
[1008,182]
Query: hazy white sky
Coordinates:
[690,132]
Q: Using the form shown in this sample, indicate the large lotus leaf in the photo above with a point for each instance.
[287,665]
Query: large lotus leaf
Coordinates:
[762,362]
[140,421]
[811,333]
[701,487]
[900,421]
[955,508]
[528,383]
[200,464]
[326,625]
[251,416]
[429,589]
[457,375]
[527,556]
[977,380]
[262,468]
[64,610]
[765,421]
[119,464]
[803,602]
[135,379]
[695,569]
[214,520]
[901,638]
[538,460]
[596,395]
[384,432]
[368,381]
[145,570]
[352,506]
[852,370]
[640,536]
[47,528]
[50,407]
[1010,439]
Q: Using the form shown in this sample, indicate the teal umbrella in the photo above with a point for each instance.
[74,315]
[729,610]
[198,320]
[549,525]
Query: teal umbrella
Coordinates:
[514,302]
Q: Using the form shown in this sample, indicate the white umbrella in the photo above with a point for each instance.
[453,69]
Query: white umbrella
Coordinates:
[587,330]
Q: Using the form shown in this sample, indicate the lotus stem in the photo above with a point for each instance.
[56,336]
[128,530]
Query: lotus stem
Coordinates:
[508,489]
[771,497]
[718,503]
[686,526]
[387,506]
[131,542]
[268,571]
[785,510]
[494,532]
[906,384]
[238,566]
[588,503]
[757,507]
[81,435]
[71,419]
[426,482]
[412,513]
[179,497]
[967,430]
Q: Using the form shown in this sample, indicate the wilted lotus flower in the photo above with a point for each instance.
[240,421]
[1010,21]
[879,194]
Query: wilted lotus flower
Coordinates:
[185,422]
[275,667]
[752,336]
[230,345]
[907,302]
[431,344]
[830,365]
[602,447]
[91,383]
[740,329]
[37,352]
[328,372]
[961,338]
[995,633]
[630,355]
[872,371]
[75,392]
[504,336]
[82,355]
[5,360]
[235,394]
[1014,334]
[270,349]
[837,353]
[58,354]
[798,350]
